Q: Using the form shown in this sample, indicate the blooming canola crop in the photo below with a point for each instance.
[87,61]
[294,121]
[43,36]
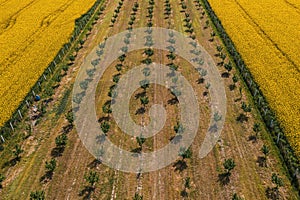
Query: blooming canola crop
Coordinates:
[31,34]
[266,34]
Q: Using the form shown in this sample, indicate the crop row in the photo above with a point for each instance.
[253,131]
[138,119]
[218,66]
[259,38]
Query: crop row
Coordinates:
[263,104]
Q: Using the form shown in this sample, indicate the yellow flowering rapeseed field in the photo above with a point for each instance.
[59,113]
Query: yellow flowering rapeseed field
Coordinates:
[31,34]
[267,35]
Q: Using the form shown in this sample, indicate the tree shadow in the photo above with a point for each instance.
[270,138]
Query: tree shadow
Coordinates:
[184,193]
[252,138]
[141,94]
[89,33]
[220,64]
[36,116]
[261,161]
[200,80]
[137,150]
[49,100]
[11,162]
[70,63]
[111,102]
[180,165]
[56,86]
[238,99]
[232,87]
[86,192]
[225,75]
[173,101]
[213,128]
[75,109]
[140,111]
[94,163]
[46,177]
[205,93]
[223,179]
[242,118]
[57,151]
[105,118]
[67,128]
[176,139]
